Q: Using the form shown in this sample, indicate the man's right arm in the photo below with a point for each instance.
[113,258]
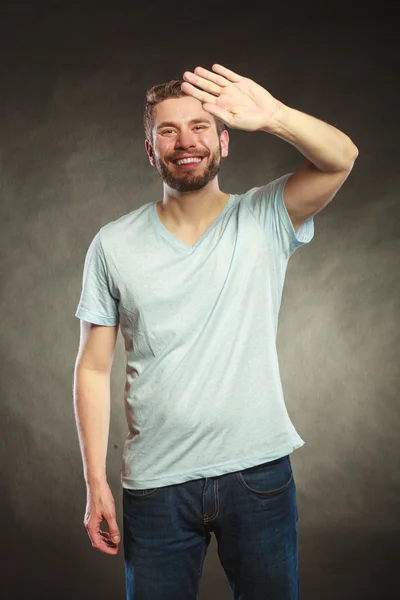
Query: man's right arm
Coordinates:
[92,413]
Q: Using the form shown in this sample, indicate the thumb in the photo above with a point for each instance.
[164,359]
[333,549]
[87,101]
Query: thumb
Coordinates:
[113,530]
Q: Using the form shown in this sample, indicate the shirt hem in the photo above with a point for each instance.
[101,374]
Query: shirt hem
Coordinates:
[210,471]
[91,317]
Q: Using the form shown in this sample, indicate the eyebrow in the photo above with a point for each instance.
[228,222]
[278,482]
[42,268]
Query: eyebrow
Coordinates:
[192,121]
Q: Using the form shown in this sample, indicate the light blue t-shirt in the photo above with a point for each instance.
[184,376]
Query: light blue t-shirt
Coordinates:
[203,394]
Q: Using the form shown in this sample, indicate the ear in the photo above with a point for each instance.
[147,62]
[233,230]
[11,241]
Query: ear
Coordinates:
[150,152]
[224,139]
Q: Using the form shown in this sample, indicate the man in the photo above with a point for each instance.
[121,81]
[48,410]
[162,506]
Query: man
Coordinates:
[195,282]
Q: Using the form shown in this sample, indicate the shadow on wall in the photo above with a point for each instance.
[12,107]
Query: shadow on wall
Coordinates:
[47,553]
[349,564]
[57,563]
[335,564]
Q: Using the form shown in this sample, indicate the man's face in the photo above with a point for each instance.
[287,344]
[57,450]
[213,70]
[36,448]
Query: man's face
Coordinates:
[183,130]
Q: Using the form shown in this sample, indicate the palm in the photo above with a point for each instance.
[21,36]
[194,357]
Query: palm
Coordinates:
[238,101]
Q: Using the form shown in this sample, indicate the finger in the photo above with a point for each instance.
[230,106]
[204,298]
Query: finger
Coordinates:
[219,112]
[106,539]
[204,84]
[94,536]
[230,75]
[101,544]
[221,81]
[113,529]
[106,549]
[190,90]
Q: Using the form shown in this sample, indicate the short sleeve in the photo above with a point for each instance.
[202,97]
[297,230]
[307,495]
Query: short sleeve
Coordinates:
[97,305]
[268,207]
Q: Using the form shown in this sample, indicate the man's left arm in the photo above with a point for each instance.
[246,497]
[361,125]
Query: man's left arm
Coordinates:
[330,156]
[243,104]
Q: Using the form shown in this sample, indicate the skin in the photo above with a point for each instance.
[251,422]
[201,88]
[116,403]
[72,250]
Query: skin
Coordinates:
[242,103]
[191,197]
[191,201]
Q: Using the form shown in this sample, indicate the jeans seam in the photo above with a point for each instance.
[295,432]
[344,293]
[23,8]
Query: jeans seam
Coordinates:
[216,497]
[266,494]
[260,493]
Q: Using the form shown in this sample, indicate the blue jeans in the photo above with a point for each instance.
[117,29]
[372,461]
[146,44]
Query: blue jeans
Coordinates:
[253,514]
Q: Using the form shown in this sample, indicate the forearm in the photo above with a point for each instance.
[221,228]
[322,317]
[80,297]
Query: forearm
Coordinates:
[92,414]
[322,144]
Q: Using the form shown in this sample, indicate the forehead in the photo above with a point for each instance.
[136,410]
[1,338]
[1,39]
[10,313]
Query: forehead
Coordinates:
[180,111]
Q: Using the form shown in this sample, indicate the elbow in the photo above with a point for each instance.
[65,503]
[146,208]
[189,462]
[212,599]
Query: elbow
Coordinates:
[353,153]
[349,158]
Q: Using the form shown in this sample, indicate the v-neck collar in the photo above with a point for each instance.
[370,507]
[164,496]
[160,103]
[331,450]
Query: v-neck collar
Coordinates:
[178,243]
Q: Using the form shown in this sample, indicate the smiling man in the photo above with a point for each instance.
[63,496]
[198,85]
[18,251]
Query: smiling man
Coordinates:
[181,170]
[194,280]
[185,144]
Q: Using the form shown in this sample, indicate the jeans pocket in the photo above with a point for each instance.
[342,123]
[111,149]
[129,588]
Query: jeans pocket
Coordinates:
[267,479]
[140,493]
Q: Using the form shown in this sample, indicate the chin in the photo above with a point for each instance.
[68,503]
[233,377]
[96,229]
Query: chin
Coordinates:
[189,182]
[193,187]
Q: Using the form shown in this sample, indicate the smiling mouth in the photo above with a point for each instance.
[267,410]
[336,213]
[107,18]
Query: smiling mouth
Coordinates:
[193,161]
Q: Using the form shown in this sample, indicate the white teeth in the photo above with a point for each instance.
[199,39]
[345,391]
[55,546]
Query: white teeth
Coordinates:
[185,161]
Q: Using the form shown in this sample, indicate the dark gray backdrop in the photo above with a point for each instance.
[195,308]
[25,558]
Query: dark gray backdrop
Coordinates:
[72,159]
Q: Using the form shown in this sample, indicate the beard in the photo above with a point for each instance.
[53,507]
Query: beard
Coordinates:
[189,182]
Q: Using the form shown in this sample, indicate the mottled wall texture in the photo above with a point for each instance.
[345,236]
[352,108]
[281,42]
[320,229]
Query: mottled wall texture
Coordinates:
[73,158]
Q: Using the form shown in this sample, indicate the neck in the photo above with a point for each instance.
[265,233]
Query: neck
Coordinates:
[192,209]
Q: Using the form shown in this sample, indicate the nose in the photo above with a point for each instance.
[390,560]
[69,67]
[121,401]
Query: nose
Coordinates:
[185,140]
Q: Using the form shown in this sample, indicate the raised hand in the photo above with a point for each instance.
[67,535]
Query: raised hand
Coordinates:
[237,101]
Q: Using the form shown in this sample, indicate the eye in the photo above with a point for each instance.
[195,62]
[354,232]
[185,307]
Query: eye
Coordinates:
[167,131]
[199,127]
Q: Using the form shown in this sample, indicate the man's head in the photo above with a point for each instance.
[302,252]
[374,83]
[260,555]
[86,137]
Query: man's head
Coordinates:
[177,127]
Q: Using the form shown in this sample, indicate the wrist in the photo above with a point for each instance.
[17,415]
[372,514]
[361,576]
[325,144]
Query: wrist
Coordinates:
[95,479]
[275,123]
